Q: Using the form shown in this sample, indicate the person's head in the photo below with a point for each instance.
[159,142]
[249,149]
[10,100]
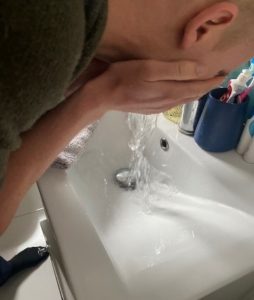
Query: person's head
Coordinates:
[219,34]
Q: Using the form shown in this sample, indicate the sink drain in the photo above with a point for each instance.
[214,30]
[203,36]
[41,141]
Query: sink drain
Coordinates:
[122,178]
[164,144]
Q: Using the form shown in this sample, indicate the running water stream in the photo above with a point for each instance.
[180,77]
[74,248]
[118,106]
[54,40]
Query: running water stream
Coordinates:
[141,127]
[151,184]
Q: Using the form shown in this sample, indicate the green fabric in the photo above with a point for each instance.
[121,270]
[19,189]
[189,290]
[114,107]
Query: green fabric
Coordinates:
[44,44]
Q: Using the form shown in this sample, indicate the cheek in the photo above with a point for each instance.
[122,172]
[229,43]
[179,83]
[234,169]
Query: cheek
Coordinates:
[225,62]
[214,65]
[232,59]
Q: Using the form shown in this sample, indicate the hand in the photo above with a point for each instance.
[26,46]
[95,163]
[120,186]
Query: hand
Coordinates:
[148,86]
[95,69]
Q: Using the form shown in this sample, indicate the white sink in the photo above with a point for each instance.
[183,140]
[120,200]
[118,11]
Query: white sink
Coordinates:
[197,242]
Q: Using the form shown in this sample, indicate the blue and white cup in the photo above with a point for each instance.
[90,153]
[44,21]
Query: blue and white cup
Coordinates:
[221,124]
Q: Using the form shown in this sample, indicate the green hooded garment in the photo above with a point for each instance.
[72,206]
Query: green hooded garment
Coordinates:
[44,45]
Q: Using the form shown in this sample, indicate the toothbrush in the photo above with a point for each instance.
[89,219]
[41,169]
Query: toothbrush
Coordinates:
[244,94]
[238,85]
[226,96]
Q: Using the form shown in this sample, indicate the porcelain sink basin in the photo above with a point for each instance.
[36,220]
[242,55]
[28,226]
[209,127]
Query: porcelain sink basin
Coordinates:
[195,240]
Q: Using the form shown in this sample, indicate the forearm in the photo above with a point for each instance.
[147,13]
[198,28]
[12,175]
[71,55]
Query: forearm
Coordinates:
[40,147]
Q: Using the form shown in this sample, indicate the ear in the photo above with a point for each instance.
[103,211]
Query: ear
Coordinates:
[209,23]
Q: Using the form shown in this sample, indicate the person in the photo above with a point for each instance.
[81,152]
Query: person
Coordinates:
[216,33]
[65,63]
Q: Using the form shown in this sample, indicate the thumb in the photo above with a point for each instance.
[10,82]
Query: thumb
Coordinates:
[177,70]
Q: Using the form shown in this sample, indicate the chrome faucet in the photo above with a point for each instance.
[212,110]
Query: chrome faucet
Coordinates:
[191,114]
[187,121]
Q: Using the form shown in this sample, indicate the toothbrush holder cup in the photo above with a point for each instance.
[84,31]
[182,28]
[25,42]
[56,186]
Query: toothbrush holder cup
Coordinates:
[221,124]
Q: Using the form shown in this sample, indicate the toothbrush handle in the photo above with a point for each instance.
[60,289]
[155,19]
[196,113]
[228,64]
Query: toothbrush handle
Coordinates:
[244,95]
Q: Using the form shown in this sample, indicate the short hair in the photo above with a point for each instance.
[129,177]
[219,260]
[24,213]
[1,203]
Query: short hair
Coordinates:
[243,26]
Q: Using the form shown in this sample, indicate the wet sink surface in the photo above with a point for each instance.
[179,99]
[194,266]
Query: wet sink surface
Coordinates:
[195,236]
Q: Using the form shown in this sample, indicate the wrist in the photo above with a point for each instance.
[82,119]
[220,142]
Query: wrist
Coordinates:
[92,99]
[89,104]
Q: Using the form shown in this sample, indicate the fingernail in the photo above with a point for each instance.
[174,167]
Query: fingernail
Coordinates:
[201,70]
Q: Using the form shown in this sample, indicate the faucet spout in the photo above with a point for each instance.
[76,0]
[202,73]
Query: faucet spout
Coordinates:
[187,122]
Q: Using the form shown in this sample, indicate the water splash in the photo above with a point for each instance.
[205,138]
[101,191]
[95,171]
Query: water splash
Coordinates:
[141,127]
[151,184]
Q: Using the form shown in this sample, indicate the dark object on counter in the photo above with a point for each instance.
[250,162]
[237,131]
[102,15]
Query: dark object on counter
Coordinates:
[221,124]
[28,258]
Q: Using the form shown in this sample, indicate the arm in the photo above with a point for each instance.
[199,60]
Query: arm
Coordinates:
[39,148]
[128,86]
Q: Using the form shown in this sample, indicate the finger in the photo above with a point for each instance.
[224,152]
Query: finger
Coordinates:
[166,105]
[182,90]
[177,70]
[161,91]
[158,107]
[171,104]
[196,88]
